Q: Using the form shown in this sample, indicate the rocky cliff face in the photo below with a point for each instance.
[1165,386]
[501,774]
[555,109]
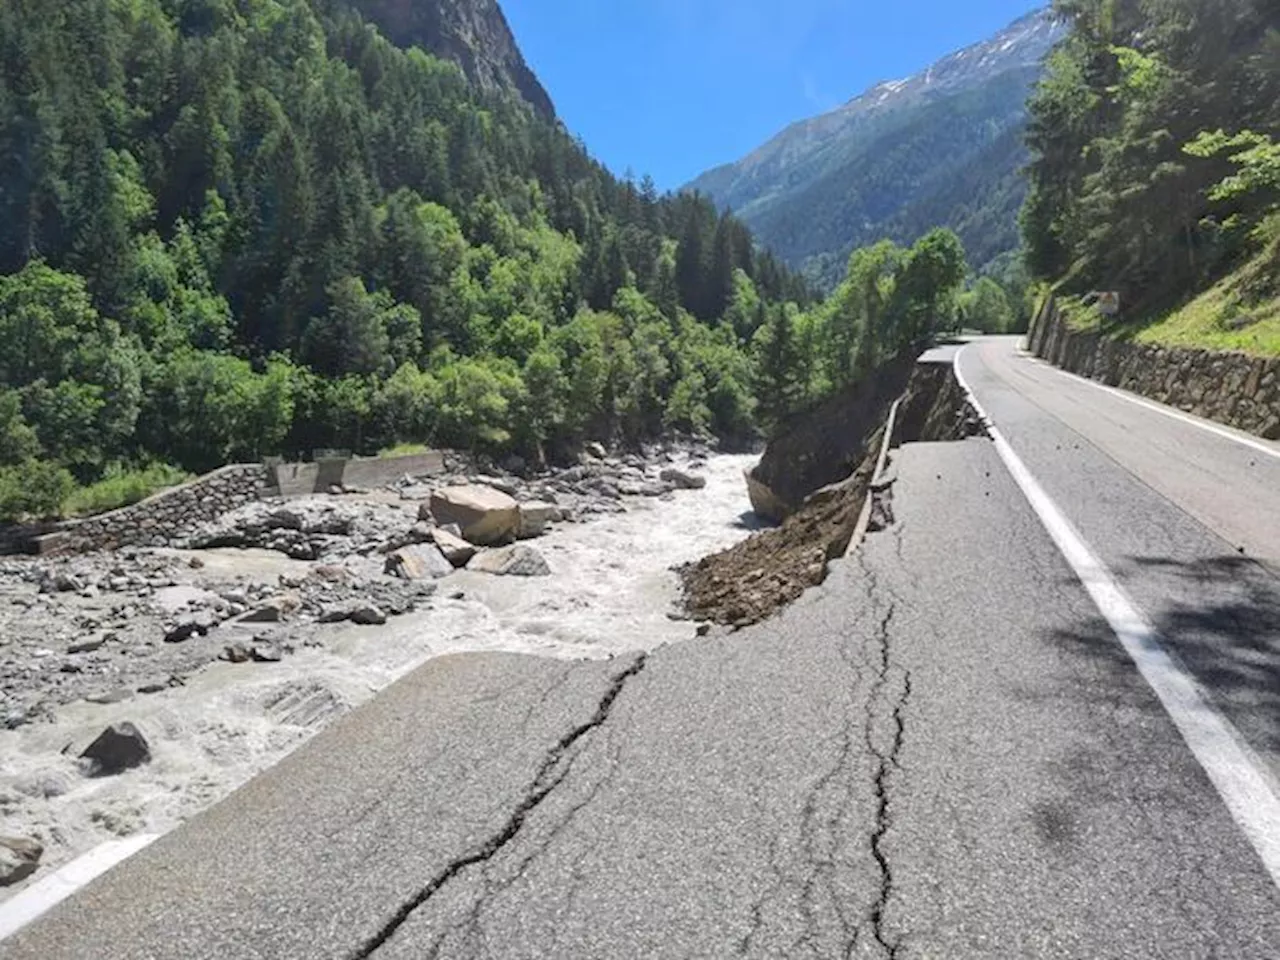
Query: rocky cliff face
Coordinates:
[472,33]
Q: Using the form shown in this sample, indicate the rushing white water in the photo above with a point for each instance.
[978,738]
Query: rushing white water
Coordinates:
[610,591]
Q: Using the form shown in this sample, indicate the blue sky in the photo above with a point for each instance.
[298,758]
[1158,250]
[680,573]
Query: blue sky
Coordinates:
[675,87]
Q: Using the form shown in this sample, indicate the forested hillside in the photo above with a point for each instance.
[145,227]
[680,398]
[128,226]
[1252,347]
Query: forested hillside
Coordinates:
[942,148]
[1155,172]
[233,228]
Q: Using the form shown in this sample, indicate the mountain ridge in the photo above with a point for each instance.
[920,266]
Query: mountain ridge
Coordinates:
[833,169]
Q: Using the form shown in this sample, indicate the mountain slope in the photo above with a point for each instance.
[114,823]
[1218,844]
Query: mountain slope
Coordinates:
[939,148]
[472,33]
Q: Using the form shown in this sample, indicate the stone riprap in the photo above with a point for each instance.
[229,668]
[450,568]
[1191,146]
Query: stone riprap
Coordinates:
[167,517]
[1237,389]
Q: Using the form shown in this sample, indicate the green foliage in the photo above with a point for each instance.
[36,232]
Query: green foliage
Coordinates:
[1134,185]
[240,229]
[1256,157]
[121,487]
[986,307]
[33,489]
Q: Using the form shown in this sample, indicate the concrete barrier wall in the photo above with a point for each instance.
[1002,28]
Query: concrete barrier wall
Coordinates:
[384,470]
[1232,388]
[301,479]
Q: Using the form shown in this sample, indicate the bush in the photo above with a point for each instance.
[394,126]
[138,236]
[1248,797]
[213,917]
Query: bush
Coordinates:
[121,488]
[33,489]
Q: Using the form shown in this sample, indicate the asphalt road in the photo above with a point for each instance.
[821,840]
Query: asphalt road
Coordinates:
[942,752]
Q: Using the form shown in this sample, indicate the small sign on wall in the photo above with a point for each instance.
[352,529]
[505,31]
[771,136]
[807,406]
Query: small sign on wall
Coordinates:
[1107,302]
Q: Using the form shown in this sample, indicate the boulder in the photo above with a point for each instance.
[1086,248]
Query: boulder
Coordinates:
[456,550]
[119,747]
[19,858]
[535,516]
[273,610]
[61,583]
[234,653]
[516,561]
[682,480]
[420,562]
[764,501]
[500,484]
[263,652]
[367,616]
[189,627]
[486,516]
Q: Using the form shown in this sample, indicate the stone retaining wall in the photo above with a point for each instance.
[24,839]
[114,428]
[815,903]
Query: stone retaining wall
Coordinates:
[1232,388]
[166,517]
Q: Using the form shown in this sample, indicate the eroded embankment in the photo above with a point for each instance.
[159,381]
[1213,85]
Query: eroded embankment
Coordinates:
[752,580]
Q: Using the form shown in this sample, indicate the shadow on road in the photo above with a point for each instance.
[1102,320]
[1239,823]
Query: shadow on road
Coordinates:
[1221,619]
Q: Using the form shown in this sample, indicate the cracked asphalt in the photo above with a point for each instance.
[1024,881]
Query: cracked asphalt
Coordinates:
[939,753]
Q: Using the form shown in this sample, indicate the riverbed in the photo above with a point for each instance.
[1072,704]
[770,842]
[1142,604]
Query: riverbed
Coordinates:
[611,590]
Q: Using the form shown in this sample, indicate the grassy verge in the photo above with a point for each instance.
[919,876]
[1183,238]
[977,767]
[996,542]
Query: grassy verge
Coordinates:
[1241,312]
[405,450]
[121,488]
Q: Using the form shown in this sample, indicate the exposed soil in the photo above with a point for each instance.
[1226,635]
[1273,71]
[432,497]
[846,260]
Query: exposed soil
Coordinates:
[751,581]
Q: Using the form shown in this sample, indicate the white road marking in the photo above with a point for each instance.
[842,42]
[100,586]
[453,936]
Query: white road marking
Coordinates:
[1241,779]
[1261,446]
[45,894]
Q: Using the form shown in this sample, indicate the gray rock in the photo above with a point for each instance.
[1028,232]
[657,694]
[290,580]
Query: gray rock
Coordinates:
[118,748]
[234,653]
[266,653]
[535,517]
[368,616]
[19,859]
[87,646]
[682,480]
[419,562]
[456,550]
[516,561]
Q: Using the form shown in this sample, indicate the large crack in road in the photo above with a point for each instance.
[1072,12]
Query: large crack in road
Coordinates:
[551,773]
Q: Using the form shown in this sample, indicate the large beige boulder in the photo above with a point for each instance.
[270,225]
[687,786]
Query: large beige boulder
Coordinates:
[764,501]
[456,550]
[486,516]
